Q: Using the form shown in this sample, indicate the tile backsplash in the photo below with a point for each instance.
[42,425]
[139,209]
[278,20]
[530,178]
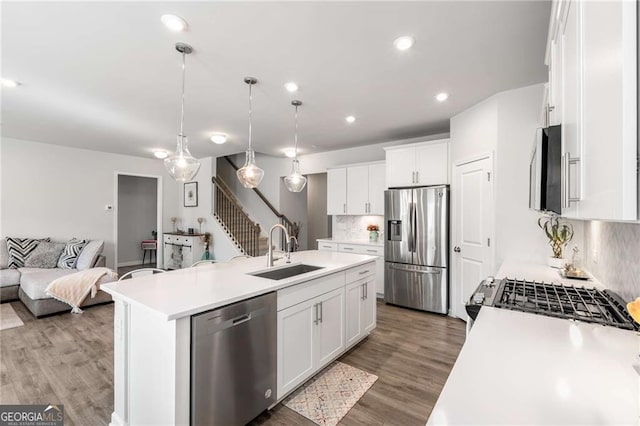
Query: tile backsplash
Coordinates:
[355,227]
[612,255]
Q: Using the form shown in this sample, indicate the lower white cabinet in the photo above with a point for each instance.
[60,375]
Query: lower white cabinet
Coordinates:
[314,319]
[310,335]
[361,309]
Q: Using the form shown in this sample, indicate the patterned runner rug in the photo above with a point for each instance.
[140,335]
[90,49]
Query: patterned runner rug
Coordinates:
[8,317]
[328,397]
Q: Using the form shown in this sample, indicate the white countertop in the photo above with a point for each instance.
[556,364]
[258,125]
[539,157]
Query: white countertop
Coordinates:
[378,243]
[189,291]
[537,272]
[517,368]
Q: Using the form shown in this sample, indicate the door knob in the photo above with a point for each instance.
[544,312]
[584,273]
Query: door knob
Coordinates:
[456,249]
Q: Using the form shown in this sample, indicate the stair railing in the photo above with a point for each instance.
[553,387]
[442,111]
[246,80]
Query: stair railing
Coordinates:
[292,228]
[245,231]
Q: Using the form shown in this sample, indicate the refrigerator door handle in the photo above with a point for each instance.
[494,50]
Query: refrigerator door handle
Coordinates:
[412,213]
[433,272]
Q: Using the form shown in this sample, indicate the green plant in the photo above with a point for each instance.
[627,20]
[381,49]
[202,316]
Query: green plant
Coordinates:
[559,234]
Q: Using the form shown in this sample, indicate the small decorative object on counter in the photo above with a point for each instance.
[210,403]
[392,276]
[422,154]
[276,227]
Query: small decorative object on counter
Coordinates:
[573,269]
[559,236]
[200,220]
[173,221]
[207,240]
[374,232]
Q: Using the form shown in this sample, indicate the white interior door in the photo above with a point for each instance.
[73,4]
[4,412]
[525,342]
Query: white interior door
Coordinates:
[472,230]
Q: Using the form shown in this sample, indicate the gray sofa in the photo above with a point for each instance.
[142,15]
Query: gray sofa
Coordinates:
[29,285]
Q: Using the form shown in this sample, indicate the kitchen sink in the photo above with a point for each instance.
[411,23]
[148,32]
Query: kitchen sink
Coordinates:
[286,272]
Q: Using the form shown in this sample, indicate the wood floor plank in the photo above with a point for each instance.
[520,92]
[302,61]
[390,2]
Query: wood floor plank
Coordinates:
[68,359]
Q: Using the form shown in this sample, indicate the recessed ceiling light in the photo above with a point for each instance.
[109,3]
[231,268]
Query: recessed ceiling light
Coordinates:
[9,83]
[441,97]
[174,23]
[160,154]
[290,152]
[218,138]
[291,87]
[350,119]
[404,43]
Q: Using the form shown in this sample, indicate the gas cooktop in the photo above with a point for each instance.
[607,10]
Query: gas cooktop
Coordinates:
[555,300]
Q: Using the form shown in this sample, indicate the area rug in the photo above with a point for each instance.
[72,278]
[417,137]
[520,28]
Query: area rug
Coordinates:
[8,317]
[328,397]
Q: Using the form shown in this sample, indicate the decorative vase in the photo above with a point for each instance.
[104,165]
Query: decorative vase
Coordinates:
[373,236]
[556,262]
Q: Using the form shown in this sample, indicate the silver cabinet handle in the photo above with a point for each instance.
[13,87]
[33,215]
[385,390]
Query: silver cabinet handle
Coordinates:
[366,290]
[372,251]
[347,248]
[344,208]
[433,272]
[315,319]
[417,177]
[413,177]
[320,318]
[361,291]
[363,272]
[567,199]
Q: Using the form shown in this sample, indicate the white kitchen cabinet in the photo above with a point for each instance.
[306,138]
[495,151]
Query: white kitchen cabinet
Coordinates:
[360,309]
[337,191]
[591,54]
[311,329]
[356,189]
[330,326]
[297,342]
[420,164]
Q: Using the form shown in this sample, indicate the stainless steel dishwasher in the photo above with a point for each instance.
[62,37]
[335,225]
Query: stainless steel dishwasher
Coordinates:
[233,362]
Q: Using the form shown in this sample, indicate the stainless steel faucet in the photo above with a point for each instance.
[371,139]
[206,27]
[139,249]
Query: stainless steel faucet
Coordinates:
[269,242]
[292,244]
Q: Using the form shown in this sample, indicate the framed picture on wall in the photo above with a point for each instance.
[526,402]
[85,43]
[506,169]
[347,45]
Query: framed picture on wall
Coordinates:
[191,194]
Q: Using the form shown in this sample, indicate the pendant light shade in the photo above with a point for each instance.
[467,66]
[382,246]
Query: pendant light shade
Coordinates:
[181,165]
[250,175]
[295,182]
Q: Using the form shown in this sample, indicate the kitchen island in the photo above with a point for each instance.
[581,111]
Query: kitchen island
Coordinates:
[152,325]
[521,368]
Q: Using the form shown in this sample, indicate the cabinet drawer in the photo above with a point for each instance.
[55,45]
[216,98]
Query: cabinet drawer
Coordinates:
[361,249]
[301,292]
[322,245]
[360,272]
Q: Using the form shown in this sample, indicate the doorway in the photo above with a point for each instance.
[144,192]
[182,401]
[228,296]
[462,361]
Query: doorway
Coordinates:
[138,221]
[472,229]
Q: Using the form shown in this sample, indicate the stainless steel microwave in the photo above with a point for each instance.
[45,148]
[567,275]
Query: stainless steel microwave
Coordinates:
[545,171]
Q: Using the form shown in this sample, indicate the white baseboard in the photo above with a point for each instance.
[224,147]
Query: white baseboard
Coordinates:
[132,263]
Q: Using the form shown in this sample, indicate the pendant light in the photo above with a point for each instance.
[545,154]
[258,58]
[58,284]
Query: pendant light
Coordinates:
[295,182]
[181,165]
[250,175]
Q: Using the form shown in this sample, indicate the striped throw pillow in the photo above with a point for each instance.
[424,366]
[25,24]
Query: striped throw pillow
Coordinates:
[19,249]
[70,254]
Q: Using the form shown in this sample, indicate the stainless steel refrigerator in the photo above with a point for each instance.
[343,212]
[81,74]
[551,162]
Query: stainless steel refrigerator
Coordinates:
[416,248]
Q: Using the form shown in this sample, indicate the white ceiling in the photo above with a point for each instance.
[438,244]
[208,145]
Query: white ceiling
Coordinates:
[106,76]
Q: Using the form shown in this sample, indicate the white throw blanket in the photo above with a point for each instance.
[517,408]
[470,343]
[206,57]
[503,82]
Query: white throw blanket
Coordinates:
[72,289]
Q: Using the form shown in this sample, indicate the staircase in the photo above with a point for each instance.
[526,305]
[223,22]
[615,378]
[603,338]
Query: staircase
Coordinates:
[241,229]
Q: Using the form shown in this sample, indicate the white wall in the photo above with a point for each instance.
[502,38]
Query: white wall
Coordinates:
[137,217]
[504,125]
[221,247]
[61,192]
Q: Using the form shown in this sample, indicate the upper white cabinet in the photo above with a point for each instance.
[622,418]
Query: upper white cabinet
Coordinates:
[337,191]
[356,190]
[591,54]
[418,164]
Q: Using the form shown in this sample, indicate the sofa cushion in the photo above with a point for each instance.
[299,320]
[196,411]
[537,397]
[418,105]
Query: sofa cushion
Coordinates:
[34,281]
[4,254]
[9,277]
[45,255]
[20,248]
[89,254]
[70,254]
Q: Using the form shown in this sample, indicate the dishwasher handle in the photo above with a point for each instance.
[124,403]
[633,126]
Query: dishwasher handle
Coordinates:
[241,319]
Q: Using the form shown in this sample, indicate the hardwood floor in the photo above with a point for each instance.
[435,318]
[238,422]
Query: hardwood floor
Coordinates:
[68,359]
